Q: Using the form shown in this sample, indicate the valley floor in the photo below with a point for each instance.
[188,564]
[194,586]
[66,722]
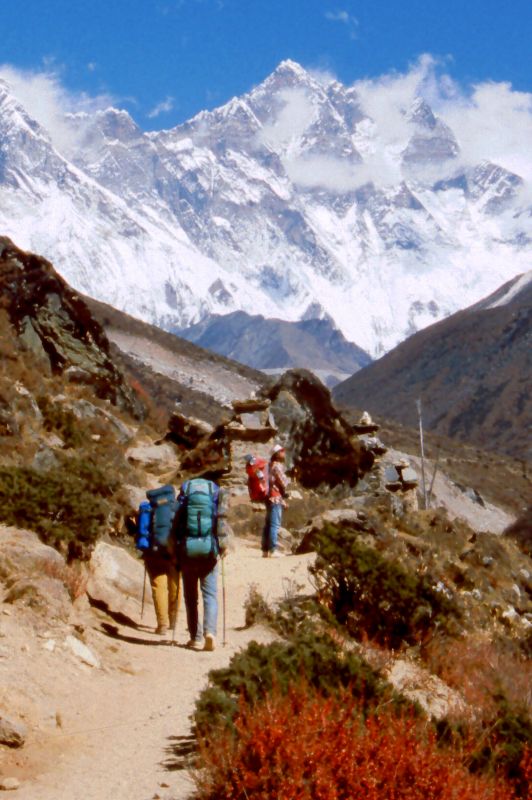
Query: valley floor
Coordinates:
[118,730]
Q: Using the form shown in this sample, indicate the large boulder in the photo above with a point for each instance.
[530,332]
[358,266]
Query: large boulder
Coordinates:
[116,580]
[157,458]
[304,538]
[319,441]
[34,575]
[187,431]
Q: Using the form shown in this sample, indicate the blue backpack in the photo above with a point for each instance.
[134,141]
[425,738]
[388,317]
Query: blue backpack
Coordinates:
[198,517]
[142,539]
[155,518]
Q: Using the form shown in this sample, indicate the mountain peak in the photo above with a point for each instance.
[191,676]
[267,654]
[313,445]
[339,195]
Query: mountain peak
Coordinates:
[421,113]
[289,66]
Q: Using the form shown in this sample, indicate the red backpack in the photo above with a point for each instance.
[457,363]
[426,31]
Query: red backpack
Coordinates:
[258,479]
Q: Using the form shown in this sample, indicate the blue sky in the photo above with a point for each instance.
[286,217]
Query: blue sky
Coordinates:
[165,60]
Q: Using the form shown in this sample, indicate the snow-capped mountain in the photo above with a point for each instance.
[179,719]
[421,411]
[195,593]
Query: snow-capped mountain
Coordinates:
[270,204]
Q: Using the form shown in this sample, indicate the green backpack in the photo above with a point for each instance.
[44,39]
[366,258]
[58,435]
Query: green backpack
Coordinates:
[199,513]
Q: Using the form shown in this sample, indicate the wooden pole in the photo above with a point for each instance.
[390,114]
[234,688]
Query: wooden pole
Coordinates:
[423,483]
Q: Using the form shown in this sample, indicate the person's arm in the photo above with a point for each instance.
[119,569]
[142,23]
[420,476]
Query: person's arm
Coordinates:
[280,477]
[223,529]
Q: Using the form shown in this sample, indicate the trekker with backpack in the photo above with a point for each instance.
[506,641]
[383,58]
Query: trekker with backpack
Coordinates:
[275,502]
[154,541]
[201,533]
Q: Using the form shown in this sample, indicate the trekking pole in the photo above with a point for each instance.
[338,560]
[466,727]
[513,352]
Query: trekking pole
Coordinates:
[418,404]
[143,592]
[178,603]
[223,601]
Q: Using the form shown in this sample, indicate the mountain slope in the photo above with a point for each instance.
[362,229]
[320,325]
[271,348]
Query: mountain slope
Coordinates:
[275,345]
[270,204]
[472,371]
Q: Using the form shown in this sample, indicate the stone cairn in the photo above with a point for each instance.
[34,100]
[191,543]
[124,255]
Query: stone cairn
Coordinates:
[251,429]
[396,476]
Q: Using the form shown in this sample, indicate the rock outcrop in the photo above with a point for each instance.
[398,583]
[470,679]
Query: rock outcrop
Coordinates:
[55,323]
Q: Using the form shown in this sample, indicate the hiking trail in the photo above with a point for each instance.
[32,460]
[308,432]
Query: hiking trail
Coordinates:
[121,729]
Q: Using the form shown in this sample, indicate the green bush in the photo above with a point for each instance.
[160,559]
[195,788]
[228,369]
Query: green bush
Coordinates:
[60,420]
[255,671]
[373,596]
[66,505]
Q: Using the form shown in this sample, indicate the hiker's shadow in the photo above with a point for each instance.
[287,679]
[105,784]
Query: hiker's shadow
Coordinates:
[113,632]
[180,753]
[117,616]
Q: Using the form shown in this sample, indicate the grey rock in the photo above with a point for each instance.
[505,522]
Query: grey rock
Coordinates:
[392,479]
[304,537]
[161,457]
[82,652]
[12,734]
[187,431]
[409,476]
[116,579]
[45,460]
[84,409]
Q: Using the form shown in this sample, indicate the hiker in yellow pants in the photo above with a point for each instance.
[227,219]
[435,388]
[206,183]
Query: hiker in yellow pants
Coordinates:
[165,589]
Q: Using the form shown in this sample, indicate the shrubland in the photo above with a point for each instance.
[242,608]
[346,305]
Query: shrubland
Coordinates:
[308,717]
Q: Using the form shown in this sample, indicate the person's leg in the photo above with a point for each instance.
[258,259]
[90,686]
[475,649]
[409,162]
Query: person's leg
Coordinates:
[190,591]
[156,568]
[209,591]
[173,578]
[266,530]
[276,515]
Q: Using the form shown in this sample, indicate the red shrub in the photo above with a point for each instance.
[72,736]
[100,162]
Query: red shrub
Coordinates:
[305,747]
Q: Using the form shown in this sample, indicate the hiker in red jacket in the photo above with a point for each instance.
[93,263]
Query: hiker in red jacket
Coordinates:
[278,483]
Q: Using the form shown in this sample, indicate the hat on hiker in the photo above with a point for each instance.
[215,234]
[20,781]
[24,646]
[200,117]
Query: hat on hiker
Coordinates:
[277,448]
[249,458]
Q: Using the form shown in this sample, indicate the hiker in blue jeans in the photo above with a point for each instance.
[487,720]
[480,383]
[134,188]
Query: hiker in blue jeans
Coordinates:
[202,536]
[204,577]
[278,482]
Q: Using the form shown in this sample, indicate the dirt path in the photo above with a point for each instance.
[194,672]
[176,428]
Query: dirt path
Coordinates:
[121,728]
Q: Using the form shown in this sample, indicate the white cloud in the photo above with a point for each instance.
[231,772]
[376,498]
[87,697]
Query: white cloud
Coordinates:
[347,19]
[326,172]
[47,101]
[161,108]
[491,121]
[294,115]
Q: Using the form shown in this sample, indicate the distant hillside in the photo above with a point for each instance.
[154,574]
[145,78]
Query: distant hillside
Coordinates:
[472,371]
[173,371]
[275,345]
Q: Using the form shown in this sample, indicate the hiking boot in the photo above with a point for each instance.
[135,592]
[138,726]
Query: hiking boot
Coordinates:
[195,644]
[210,642]
[161,630]
[276,554]
[265,554]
